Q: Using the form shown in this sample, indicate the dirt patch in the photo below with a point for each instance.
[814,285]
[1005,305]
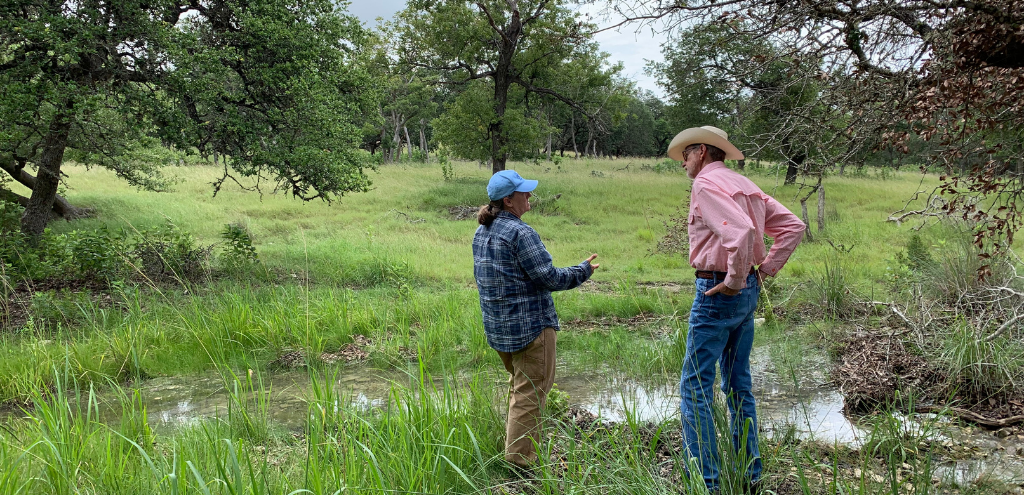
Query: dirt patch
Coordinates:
[352,352]
[669,287]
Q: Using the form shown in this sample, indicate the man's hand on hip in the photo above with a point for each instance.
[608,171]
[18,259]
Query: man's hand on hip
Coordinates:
[724,289]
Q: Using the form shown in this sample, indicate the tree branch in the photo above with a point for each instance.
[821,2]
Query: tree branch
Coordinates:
[490,20]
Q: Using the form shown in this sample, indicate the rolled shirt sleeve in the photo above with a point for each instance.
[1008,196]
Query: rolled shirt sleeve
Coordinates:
[786,229]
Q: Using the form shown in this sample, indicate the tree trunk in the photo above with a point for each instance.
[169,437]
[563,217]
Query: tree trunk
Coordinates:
[37,213]
[508,45]
[821,207]
[572,130]
[740,164]
[408,141]
[794,164]
[61,206]
[803,209]
[396,139]
[423,139]
[589,148]
[549,146]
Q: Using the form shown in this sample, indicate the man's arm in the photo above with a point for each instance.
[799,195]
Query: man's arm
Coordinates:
[786,229]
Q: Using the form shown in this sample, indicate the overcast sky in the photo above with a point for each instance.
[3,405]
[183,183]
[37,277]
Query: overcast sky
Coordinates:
[627,46]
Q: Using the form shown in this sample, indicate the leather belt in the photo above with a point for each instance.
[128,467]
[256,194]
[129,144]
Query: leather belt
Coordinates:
[718,275]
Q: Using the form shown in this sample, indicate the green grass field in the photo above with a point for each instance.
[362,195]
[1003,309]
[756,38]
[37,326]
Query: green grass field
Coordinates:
[392,265]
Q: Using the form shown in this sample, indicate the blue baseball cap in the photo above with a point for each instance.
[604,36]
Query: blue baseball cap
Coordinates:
[507,182]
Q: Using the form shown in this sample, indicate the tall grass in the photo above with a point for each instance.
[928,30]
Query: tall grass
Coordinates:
[976,367]
[830,288]
[438,435]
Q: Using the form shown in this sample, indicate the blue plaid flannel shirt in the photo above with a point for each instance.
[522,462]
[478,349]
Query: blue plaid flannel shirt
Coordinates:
[515,277]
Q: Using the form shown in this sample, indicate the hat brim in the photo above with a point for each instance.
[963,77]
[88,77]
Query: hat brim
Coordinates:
[527,185]
[698,135]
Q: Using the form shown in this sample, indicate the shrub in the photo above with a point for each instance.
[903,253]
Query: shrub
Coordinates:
[169,252]
[957,271]
[447,170]
[97,255]
[677,238]
[917,256]
[977,368]
[419,156]
[239,252]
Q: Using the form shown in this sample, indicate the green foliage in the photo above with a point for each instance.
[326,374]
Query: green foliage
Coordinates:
[516,49]
[665,166]
[170,253]
[557,402]
[239,253]
[275,87]
[447,170]
[464,126]
[976,368]
[98,255]
[917,257]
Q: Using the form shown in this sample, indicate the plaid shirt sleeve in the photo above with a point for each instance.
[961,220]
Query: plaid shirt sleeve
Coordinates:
[536,262]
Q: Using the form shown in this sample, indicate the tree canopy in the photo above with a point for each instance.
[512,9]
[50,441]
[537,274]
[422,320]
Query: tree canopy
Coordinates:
[508,50]
[272,85]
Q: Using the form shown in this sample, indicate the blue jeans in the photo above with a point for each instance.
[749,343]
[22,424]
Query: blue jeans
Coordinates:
[721,329]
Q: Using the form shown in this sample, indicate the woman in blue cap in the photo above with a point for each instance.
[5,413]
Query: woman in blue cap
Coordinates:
[515,277]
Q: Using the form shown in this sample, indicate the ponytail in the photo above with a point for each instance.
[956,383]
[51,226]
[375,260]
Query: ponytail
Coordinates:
[489,212]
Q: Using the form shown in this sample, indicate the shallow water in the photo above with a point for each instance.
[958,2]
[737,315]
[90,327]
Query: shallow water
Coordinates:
[793,398]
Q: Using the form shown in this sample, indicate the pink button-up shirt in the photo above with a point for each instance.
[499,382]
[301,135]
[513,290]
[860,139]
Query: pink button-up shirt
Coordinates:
[729,215]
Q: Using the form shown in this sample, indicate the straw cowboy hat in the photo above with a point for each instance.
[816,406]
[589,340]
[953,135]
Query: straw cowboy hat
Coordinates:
[703,135]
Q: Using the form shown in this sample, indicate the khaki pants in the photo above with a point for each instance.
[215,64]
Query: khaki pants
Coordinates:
[532,370]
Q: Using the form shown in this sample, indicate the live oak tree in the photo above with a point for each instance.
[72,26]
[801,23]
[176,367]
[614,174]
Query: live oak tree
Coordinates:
[502,51]
[273,85]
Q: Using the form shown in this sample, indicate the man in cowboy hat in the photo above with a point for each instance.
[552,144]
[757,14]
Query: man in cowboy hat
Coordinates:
[728,216]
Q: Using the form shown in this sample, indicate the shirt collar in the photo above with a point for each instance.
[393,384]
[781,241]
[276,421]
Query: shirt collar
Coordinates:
[711,166]
[506,214]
